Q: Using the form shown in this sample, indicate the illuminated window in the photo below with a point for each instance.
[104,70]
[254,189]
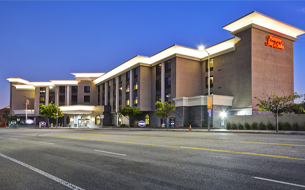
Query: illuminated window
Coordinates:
[127,102]
[135,87]
[147,119]
[135,101]
[42,99]
[42,89]
[98,120]
[211,65]
[211,82]
[121,88]
[127,88]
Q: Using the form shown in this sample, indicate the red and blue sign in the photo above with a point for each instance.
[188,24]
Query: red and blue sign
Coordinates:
[141,123]
[29,121]
[42,123]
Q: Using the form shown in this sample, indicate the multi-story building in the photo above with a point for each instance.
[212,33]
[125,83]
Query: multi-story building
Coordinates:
[258,59]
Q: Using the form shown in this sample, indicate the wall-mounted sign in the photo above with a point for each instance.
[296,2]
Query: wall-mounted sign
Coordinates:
[210,102]
[42,123]
[274,42]
[141,123]
[29,121]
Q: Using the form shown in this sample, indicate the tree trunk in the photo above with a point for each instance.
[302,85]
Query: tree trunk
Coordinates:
[277,123]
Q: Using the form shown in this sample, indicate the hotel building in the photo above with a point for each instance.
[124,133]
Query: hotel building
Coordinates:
[257,59]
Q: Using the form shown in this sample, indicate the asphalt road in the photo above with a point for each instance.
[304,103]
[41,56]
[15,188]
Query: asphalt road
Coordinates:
[122,159]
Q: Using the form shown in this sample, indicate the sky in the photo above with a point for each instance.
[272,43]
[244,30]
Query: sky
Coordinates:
[48,40]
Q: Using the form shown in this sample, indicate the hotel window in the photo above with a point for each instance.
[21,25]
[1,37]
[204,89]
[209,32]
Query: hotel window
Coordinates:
[98,95]
[135,101]
[168,97]
[158,70]
[74,100]
[127,88]
[211,65]
[114,81]
[135,87]
[109,84]
[97,120]
[120,78]
[86,98]
[168,66]
[42,99]
[74,89]
[158,85]
[86,89]
[158,98]
[135,71]
[42,89]
[207,82]
[127,75]
[51,94]
[168,82]
[62,89]
[61,100]
[42,95]
[127,102]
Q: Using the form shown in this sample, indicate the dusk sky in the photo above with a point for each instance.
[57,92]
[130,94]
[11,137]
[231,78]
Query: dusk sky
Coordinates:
[42,41]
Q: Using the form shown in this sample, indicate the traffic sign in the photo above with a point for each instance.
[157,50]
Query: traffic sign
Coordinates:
[42,123]
[210,102]
[29,121]
[141,123]
[18,119]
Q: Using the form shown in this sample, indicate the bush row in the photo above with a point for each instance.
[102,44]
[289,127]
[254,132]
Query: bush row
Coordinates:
[262,126]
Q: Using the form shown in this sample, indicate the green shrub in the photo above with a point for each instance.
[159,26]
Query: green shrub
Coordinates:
[123,125]
[295,126]
[247,126]
[261,126]
[206,126]
[240,126]
[303,126]
[233,126]
[270,126]
[228,126]
[280,125]
[286,126]
[253,126]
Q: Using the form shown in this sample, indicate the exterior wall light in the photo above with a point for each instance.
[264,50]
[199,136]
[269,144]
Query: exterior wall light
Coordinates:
[223,114]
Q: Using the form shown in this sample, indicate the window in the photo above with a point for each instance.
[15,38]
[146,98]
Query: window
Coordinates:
[158,85]
[109,84]
[211,82]
[42,98]
[211,65]
[74,89]
[74,100]
[168,81]
[97,120]
[147,119]
[61,98]
[42,89]
[135,102]
[86,89]
[135,87]
[135,72]
[168,66]
[168,97]
[127,102]
[62,89]
[158,98]
[127,75]
[158,70]
[86,98]
[127,88]
[120,78]
[114,81]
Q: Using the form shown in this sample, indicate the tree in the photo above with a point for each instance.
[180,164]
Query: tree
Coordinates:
[128,111]
[165,110]
[50,110]
[6,115]
[278,105]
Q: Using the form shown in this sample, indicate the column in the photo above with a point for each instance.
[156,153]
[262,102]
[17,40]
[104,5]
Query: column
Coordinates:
[117,94]
[47,96]
[57,96]
[106,93]
[68,95]
[131,88]
[163,82]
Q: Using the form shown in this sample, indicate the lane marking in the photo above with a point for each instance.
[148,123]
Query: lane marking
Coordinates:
[12,138]
[47,143]
[281,144]
[110,152]
[65,183]
[183,147]
[275,181]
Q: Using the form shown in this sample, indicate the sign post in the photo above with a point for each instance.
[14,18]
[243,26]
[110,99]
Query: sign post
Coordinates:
[209,106]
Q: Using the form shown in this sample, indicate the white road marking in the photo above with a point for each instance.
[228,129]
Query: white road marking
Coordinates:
[110,152]
[47,143]
[65,183]
[275,181]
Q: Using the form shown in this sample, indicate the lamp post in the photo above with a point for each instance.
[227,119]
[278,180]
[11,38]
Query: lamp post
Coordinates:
[57,92]
[209,87]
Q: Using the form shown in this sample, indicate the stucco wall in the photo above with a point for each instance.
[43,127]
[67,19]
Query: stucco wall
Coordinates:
[145,88]
[92,94]
[18,99]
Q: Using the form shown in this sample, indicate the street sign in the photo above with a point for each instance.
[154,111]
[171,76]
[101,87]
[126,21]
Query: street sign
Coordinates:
[42,123]
[210,112]
[210,102]
[141,123]
[29,121]
[18,119]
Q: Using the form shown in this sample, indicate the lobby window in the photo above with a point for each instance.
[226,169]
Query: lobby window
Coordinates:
[74,89]
[168,82]
[74,100]
[86,98]
[127,88]
[168,66]
[86,89]
[135,71]
[135,87]
[211,65]
[168,97]
[127,75]
[211,82]
[97,120]
[158,70]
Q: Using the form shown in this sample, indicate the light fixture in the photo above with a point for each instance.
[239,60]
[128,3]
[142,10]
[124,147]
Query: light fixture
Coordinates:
[201,47]
[223,114]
